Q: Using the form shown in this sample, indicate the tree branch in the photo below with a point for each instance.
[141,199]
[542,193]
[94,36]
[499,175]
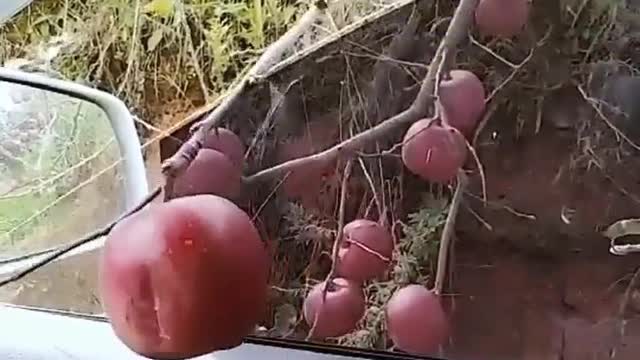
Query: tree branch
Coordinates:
[337,242]
[456,32]
[447,232]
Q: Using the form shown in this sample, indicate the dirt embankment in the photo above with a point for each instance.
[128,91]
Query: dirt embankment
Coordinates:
[533,276]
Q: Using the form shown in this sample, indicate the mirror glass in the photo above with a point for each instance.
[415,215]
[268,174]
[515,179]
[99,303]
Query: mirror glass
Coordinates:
[60,178]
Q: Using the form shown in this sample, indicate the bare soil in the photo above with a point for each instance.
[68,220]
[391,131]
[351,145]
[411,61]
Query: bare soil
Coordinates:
[540,283]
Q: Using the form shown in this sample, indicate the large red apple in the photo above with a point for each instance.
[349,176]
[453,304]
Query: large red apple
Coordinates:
[184,278]
[434,152]
[502,18]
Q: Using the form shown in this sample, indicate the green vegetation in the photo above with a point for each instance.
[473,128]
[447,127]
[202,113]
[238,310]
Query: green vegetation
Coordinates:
[145,51]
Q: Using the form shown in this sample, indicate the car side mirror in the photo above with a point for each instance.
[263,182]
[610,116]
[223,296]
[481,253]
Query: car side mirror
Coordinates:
[56,138]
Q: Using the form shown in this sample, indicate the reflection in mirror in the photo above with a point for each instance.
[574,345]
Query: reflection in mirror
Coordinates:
[60,179]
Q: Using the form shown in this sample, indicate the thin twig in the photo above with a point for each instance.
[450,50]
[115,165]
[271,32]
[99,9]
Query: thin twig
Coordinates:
[456,32]
[397,146]
[269,197]
[374,192]
[91,237]
[338,240]
[336,243]
[348,146]
[267,124]
[482,221]
[492,53]
[474,145]
[447,233]
[594,103]
[516,68]
[510,77]
[367,249]
[194,56]
[498,205]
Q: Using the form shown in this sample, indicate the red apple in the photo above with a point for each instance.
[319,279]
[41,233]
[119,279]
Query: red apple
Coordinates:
[356,262]
[228,143]
[462,101]
[211,172]
[184,278]
[435,153]
[502,18]
[416,322]
[340,311]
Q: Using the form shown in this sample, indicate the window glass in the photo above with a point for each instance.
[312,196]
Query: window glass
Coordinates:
[60,178]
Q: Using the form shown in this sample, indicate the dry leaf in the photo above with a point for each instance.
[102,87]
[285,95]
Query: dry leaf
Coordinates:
[154,39]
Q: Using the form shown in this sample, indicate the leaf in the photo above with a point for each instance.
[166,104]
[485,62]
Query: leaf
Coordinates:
[155,39]
[162,8]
